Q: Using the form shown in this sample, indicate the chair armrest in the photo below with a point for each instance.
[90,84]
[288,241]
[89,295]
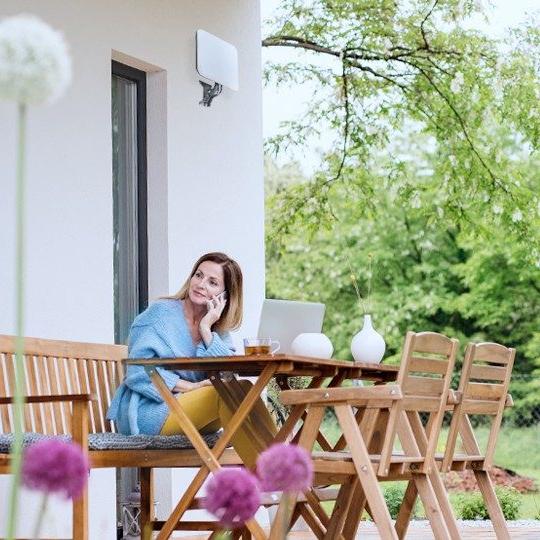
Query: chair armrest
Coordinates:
[49,398]
[332,395]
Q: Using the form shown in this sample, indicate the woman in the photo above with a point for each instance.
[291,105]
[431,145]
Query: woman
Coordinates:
[194,322]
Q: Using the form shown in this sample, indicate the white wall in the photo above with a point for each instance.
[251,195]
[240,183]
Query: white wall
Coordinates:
[205,179]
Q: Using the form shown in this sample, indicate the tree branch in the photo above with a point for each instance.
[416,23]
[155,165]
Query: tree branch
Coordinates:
[461,122]
[422,30]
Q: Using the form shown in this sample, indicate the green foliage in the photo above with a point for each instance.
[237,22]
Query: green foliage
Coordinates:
[434,174]
[393,495]
[471,505]
[427,275]
[383,71]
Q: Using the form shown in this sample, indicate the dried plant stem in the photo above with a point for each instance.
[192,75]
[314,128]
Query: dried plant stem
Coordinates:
[361,301]
[18,408]
[370,278]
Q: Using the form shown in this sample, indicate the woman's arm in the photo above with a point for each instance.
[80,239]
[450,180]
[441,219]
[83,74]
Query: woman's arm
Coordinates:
[145,342]
[187,386]
[218,346]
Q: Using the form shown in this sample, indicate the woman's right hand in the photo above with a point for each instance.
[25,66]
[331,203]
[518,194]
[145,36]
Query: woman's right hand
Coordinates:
[188,386]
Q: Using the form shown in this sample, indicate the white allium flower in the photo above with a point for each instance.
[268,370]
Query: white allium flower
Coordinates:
[457,82]
[517,216]
[35,66]
[497,209]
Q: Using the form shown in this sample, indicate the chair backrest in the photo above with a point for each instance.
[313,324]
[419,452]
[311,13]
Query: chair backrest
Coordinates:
[60,367]
[483,390]
[425,375]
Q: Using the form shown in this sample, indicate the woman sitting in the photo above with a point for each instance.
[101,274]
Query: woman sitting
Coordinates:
[194,322]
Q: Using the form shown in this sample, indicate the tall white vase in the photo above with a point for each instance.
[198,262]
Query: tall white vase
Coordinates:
[368,345]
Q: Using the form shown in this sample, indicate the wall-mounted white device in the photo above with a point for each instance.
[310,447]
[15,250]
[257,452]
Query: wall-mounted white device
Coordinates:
[217,61]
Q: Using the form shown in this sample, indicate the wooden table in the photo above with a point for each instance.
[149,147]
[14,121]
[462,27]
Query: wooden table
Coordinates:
[263,368]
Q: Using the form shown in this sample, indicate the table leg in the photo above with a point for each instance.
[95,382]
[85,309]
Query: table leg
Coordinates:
[233,394]
[209,457]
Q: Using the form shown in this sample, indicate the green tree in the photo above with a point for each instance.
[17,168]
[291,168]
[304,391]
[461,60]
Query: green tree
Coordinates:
[382,69]
[428,273]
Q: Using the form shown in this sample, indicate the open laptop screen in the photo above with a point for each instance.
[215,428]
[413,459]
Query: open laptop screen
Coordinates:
[283,320]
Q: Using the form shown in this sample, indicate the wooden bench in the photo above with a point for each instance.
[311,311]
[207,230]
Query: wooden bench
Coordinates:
[69,386]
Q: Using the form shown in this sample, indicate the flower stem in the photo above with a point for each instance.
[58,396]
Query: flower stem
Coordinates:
[41,515]
[18,408]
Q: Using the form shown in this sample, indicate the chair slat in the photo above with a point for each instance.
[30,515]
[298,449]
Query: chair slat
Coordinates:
[428,365]
[431,342]
[111,385]
[421,403]
[490,373]
[101,368]
[51,363]
[477,406]
[85,387]
[64,388]
[10,368]
[28,409]
[423,386]
[73,376]
[492,352]
[45,389]
[485,391]
[10,374]
[5,423]
[32,379]
[94,389]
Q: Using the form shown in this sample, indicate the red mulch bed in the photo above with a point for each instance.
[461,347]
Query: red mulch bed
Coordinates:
[465,481]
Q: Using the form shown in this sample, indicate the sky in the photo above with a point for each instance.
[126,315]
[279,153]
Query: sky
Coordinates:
[287,103]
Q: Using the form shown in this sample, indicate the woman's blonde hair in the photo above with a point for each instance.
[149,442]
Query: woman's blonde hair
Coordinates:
[231,317]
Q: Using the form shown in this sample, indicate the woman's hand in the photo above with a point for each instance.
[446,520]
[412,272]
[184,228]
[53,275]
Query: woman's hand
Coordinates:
[188,386]
[215,308]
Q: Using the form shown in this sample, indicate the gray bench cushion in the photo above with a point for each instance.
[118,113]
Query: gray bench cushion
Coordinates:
[115,441]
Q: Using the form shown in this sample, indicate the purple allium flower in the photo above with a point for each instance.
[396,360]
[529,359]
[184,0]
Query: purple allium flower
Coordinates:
[285,467]
[233,496]
[55,466]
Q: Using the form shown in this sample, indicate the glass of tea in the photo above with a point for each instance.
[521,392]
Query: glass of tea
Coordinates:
[260,346]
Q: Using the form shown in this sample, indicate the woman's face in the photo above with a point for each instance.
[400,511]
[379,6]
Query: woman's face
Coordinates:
[206,282]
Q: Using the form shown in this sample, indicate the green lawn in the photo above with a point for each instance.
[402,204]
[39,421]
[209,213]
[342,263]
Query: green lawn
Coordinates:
[518,449]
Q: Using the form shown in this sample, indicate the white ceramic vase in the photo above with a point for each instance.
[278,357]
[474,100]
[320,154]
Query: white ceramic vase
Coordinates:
[368,345]
[313,344]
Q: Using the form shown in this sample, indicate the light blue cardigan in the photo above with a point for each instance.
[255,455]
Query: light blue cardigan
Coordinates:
[161,331]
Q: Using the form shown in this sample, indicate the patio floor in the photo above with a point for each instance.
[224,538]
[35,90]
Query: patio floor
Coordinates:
[416,532]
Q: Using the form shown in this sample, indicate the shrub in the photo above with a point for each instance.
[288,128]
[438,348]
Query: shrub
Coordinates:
[393,495]
[471,505]
[510,501]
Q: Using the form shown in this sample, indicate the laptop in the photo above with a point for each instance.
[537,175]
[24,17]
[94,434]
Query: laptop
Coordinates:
[283,320]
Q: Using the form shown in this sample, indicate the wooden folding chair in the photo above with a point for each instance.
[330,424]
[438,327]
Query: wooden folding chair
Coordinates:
[483,390]
[382,414]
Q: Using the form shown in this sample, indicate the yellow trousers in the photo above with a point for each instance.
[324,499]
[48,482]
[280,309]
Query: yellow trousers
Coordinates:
[208,412]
